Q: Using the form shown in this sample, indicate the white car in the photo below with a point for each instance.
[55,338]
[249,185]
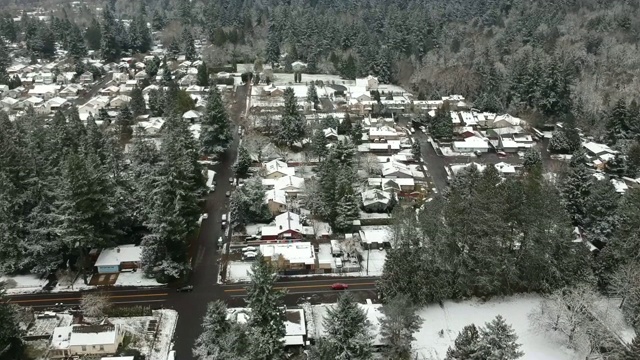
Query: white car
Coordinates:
[205,216]
[249,255]
[249,248]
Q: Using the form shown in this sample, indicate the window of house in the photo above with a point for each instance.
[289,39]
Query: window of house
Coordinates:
[101,347]
[84,348]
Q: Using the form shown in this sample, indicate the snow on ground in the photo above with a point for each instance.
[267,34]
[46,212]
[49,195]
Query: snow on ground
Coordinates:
[453,316]
[20,284]
[155,348]
[238,271]
[135,279]
[254,229]
[315,315]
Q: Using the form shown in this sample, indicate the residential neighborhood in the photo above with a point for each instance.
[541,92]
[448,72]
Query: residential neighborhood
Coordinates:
[211,180]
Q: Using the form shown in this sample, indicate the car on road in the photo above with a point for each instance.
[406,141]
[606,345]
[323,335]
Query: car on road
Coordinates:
[424,129]
[231,180]
[249,255]
[239,130]
[478,152]
[227,194]
[339,286]
[249,248]
[205,216]
[187,288]
[224,220]
[413,130]
[502,154]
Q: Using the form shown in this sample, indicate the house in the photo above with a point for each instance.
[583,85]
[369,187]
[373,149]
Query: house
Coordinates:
[505,169]
[33,101]
[287,227]
[56,104]
[291,256]
[192,116]
[195,90]
[295,324]
[70,91]
[276,201]
[383,133]
[141,75]
[471,144]
[374,237]
[397,185]
[276,169]
[505,120]
[44,92]
[375,200]
[86,77]
[120,101]
[330,134]
[9,103]
[396,170]
[47,78]
[120,77]
[291,185]
[114,260]
[109,90]
[85,341]
[601,151]
[369,83]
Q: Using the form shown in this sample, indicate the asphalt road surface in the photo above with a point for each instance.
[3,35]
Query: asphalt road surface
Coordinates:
[155,297]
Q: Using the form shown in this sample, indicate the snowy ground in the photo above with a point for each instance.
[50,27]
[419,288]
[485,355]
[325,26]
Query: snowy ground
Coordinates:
[452,317]
[155,348]
[26,284]
[237,271]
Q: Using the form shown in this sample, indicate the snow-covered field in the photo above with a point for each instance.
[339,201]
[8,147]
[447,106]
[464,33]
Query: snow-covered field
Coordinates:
[451,318]
[19,284]
[238,271]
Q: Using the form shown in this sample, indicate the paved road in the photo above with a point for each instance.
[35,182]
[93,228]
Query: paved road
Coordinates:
[156,297]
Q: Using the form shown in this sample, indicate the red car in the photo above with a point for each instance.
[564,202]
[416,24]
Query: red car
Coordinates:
[339,286]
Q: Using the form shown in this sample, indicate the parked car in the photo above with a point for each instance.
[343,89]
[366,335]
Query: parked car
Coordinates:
[224,220]
[249,248]
[231,180]
[502,154]
[249,255]
[227,194]
[339,286]
[187,288]
[205,216]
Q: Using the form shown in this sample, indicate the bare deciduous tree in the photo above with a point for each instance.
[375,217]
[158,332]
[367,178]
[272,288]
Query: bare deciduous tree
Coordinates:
[94,304]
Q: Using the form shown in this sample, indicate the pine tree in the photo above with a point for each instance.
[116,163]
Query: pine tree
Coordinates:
[188,46]
[601,205]
[532,159]
[77,48]
[215,135]
[633,350]
[617,122]
[124,124]
[10,332]
[319,144]
[93,35]
[416,151]
[243,163]
[356,133]
[109,46]
[348,70]
[221,338]
[291,128]
[267,315]
[312,95]
[441,125]
[397,327]
[498,341]
[348,330]
[346,126]
[156,102]
[137,104]
[466,345]
[203,75]
[575,188]
[273,46]
[4,63]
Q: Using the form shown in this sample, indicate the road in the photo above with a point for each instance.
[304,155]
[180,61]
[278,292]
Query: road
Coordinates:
[155,297]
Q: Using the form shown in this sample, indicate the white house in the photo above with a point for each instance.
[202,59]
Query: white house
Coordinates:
[396,170]
[85,341]
[120,101]
[291,185]
[86,77]
[44,92]
[55,103]
[276,201]
[192,116]
[375,200]
[276,169]
[471,144]
[123,257]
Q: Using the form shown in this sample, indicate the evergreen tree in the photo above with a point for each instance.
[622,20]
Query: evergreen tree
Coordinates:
[441,125]
[11,346]
[356,133]
[156,102]
[93,35]
[633,350]
[601,205]
[76,45]
[248,205]
[617,122]
[124,124]
[575,190]
[348,334]
[416,151]
[346,126]
[498,341]
[158,21]
[4,63]
[319,144]
[273,46]
[291,128]
[109,46]
[348,69]
[466,345]
[267,317]
[137,104]
[203,75]
[139,34]
[312,95]
[221,338]
[633,160]
[215,135]
[397,327]
[188,46]
[532,159]
[243,163]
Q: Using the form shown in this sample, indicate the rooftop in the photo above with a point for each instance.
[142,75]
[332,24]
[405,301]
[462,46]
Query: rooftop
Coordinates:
[301,252]
[118,255]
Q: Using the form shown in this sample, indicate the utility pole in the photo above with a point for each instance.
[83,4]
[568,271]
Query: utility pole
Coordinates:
[368,251]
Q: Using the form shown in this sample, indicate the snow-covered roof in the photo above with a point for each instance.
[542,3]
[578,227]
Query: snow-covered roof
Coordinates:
[295,324]
[621,186]
[274,166]
[191,114]
[81,335]
[34,100]
[118,255]
[373,196]
[299,252]
[505,168]
[375,235]
[395,167]
[284,222]
[277,196]
[289,182]
[373,312]
[596,148]
[58,101]
[330,132]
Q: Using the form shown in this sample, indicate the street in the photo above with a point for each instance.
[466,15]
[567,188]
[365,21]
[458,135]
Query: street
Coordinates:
[154,297]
